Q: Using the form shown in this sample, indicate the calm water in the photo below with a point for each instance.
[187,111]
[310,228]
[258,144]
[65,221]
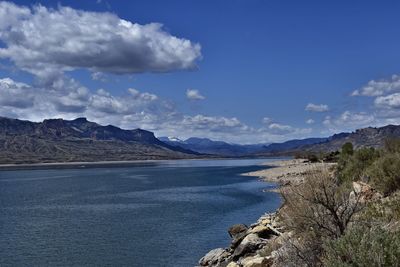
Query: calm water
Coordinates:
[159,214]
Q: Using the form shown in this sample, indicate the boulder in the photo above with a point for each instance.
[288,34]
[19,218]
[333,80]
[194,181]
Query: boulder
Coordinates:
[256,261]
[236,229]
[249,244]
[214,257]
[265,221]
[233,264]
[364,191]
[237,232]
[263,231]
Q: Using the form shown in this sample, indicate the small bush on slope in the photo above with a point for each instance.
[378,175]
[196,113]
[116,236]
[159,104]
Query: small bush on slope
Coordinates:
[352,168]
[363,247]
[385,173]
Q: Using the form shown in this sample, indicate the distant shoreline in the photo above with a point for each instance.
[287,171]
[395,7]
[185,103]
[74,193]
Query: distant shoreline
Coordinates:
[96,164]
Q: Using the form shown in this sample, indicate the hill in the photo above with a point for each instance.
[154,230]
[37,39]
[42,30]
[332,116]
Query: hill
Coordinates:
[58,140]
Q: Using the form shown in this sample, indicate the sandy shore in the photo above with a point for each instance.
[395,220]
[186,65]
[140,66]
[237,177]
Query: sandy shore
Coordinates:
[287,172]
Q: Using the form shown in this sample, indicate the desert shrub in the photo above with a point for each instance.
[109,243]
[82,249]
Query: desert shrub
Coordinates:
[347,149]
[385,212]
[351,168]
[384,173]
[331,156]
[363,247]
[318,209]
[392,145]
[312,158]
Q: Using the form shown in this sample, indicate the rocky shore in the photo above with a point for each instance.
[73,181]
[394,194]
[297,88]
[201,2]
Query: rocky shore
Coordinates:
[258,244]
[251,246]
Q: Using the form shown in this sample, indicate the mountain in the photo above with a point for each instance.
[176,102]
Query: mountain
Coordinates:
[292,144]
[208,146]
[366,137]
[58,140]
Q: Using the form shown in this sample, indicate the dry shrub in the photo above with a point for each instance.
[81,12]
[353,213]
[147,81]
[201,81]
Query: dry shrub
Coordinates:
[316,210]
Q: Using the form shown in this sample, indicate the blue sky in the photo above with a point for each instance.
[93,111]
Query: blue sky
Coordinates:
[240,71]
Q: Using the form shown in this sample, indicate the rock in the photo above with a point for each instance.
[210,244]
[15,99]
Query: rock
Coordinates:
[237,239]
[237,232]
[249,244]
[233,264]
[364,191]
[265,221]
[263,231]
[256,261]
[360,187]
[237,229]
[214,257]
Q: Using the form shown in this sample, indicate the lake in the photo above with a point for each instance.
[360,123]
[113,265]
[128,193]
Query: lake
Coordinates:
[167,213]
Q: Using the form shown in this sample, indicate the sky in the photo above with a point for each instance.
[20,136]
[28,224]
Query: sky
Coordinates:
[242,71]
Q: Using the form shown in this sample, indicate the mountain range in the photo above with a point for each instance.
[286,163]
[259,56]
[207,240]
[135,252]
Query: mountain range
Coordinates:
[58,140]
[208,146]
[79,140]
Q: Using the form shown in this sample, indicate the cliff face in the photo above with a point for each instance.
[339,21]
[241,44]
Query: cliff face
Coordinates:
[58,140]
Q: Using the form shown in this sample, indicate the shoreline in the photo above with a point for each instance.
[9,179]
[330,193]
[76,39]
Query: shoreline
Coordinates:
[257,244]
[96,164]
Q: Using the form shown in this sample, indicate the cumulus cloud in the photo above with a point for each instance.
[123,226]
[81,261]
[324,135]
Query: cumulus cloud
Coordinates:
[47,42]
[193,94]
[379,87]
[317,107]
[310,121]
[277,128]
[349,121]
[388,102]
[266,120]
[212,123]
[14,94]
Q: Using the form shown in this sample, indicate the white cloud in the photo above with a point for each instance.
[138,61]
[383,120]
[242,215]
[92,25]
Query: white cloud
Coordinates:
[380,87]
[13,94]
[317,107]
[267,120]
[277,128]
[48,42]
[349,121]
[388,102]
[310,121]
[193,94]
[212,123]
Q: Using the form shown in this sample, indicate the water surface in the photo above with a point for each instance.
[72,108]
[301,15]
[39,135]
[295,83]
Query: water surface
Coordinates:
[160,214]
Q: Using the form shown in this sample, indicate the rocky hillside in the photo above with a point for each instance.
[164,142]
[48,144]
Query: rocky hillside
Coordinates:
[59,140]
[292,144]
[366,137]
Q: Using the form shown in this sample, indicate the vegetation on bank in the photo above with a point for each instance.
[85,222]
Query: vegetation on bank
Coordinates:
[348,215]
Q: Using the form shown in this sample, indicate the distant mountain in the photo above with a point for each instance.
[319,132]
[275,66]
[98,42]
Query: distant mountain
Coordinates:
[208,146]
[58,140]
[292,144]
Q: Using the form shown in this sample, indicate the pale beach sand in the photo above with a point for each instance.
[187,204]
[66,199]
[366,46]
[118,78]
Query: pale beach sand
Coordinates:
[287,172]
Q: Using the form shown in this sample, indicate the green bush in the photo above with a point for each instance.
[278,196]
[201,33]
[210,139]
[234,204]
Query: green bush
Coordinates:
[312,158]
[347,149]
[352,167]
[331,156]
[363,247]
[385,173]
[392,145]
